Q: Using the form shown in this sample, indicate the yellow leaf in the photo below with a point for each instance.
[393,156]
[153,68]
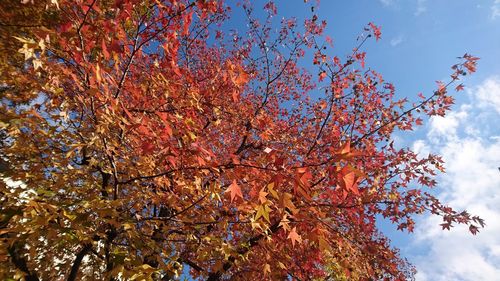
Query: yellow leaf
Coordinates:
[146,266]
[281,265]
[41,44]
[323,244]
[37,64]
[98,73]
[25,40]
[286,200]
[192,136]
[54,2]
[263,211]
[267,269]
[255,225]
[262,196]
[273,192]
[68,215]
[284,223]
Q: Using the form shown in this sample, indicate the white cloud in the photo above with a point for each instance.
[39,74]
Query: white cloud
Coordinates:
[446,127]
[488,93]
[396,41]
[472,182]
[421,7]
[387,2]
[495,9]
[421,148]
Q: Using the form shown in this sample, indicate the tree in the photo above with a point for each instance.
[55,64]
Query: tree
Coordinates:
[149,139]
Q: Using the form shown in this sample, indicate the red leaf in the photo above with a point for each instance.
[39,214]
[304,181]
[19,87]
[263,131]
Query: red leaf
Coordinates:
[376,31]
[147,147]
[322,76]
[105,50]
[67,26]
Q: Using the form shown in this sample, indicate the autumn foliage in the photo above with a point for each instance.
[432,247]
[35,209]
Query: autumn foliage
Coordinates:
[149,140]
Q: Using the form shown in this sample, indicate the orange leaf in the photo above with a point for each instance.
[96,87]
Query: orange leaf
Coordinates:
[235,190]
[346,148]
[294,236]
[262,196]
[350,180]
[236,96]
[322,76]
[242,78]
[98,73]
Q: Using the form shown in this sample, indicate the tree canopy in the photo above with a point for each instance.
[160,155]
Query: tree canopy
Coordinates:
[150,142]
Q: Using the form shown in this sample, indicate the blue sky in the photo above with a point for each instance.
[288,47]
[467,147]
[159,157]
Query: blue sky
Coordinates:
[420,41]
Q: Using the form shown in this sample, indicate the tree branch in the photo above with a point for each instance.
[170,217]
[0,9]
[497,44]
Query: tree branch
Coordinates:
[190,263]
[78,261]
[21,263]
[137,46]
